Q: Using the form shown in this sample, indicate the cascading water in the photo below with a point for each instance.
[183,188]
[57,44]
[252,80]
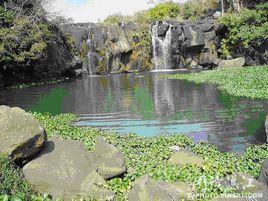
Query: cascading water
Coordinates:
[90,62]
[161,48]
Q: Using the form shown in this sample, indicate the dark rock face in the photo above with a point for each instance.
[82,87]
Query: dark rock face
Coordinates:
[108,47]
[57,61]
[1,79]
[174,45]
[187,45]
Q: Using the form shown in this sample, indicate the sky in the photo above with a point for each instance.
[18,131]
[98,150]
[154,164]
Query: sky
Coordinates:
[95,10]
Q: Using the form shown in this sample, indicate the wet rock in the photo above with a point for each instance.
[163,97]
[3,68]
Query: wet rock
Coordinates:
[146,189]
[22,136]
[2,82]
[184,157]
[108,159]
[162,29]
[66,170]
[238,62]
[242,182]
[263,177]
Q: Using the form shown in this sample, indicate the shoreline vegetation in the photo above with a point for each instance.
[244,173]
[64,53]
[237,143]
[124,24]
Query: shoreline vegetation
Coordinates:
[250,82]
[143,156]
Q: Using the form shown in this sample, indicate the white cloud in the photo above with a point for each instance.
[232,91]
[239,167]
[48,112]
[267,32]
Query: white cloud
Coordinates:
[94,10]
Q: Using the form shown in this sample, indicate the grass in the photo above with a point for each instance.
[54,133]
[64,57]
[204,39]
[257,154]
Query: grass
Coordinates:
[13,186]
[251,82]
[149,156]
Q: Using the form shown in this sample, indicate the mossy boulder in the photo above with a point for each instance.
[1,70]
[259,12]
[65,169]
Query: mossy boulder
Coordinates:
[66,170]
[109,160]
[146,189]
[264,173]
[184,157]
[238,62]
[22,136]
[242,182]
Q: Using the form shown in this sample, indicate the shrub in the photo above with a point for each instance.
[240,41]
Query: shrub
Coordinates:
[245,30]
[12,182]
[116,18]
[21,40]
[196,9]
[162,11]
[6,18]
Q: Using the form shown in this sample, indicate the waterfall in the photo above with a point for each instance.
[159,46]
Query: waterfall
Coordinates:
[90,58]
[90,63]
[161,48]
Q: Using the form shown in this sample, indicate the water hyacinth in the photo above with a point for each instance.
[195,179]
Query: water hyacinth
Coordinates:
[250,82]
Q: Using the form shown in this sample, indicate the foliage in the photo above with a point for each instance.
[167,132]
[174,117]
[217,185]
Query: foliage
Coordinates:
[249,82]
[12,182]
[70,42]
[21,39]
[142,47]
[196,9]
[150,155]
[163,11]
[245,29]
[6,18]
[116,18]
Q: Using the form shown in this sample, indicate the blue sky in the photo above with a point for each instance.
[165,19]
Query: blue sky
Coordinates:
[95,10]
[76,2]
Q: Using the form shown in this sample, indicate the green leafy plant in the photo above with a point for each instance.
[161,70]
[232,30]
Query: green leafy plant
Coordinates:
[248,82]
[162,11]
[246,29]
[149,156]
[21,40]
[12,182]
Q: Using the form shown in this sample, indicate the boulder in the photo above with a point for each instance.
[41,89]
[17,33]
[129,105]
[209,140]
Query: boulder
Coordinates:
[266,127]
[109,160]
[145,189]
[184,157]
[238,62]
[22,136]
[66,170]
[208,59]
[242,182]
[264,173]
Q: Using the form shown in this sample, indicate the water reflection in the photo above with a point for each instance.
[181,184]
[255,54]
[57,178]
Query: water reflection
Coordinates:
[150,104]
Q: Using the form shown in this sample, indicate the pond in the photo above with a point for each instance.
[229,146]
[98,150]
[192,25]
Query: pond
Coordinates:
[150,104]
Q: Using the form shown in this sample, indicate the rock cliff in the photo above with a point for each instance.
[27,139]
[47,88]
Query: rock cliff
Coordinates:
[184,44]
[174,45]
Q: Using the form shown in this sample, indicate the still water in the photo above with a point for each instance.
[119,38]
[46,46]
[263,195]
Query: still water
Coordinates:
[150,104]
